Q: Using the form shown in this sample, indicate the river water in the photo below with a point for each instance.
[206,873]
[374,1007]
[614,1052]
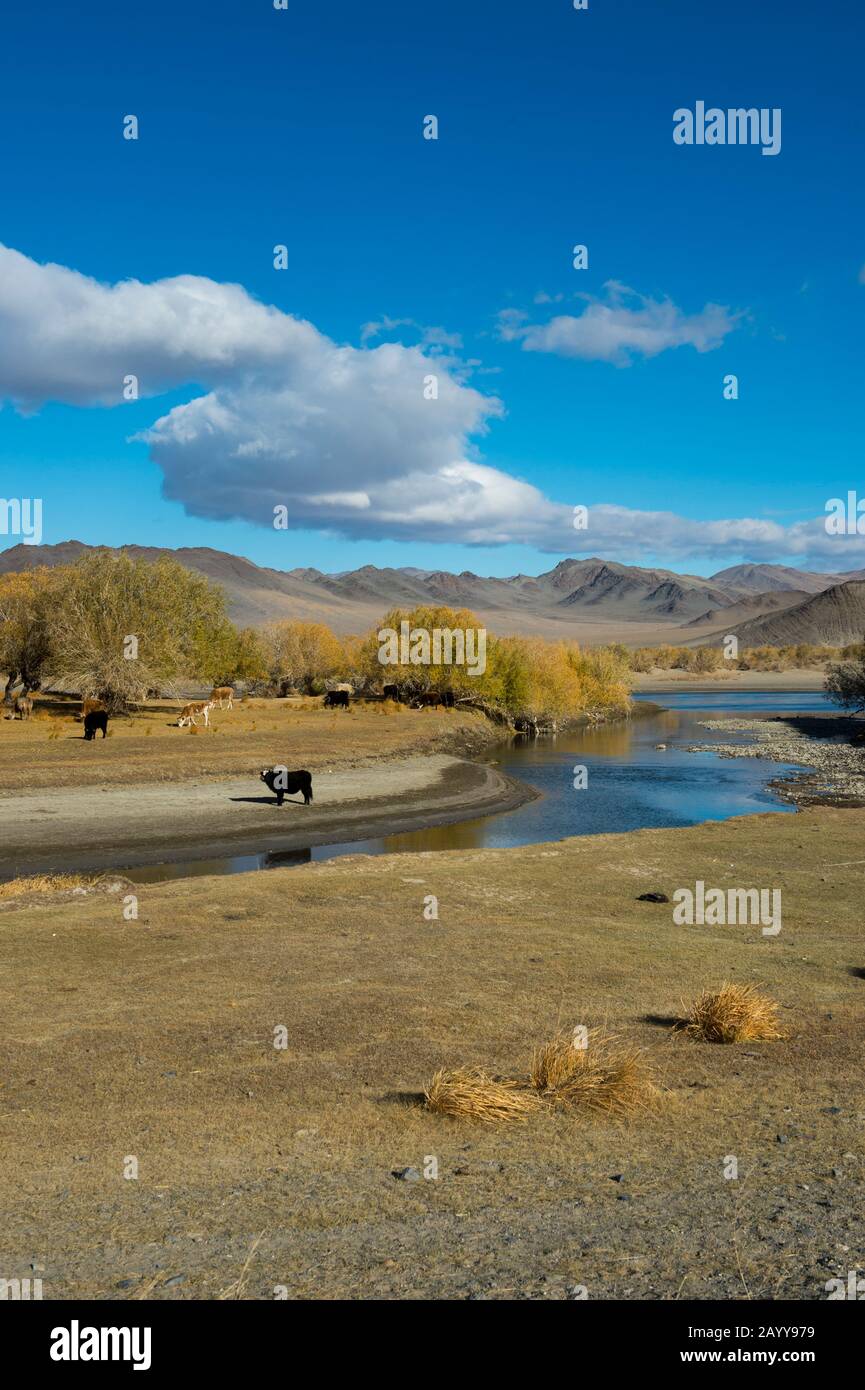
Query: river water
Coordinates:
[630,784]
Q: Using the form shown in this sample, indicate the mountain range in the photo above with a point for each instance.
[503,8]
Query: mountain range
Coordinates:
[593,600]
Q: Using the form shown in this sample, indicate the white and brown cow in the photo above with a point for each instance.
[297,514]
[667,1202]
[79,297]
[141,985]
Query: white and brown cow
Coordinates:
[189,714]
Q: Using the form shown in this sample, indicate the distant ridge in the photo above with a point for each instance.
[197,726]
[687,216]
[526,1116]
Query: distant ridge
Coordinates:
[592,599]
[836,616]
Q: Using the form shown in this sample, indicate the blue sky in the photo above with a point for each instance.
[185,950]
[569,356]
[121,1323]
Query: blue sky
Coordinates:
[304,127]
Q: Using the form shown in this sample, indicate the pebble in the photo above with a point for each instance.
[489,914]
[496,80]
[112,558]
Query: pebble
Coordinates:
[406,1175]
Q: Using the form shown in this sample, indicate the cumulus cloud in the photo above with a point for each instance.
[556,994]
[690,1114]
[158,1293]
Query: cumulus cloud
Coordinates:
[67,337]
[341,436]
[620,327]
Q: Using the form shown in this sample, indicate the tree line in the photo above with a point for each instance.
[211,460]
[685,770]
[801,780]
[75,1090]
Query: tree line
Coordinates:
[125,629]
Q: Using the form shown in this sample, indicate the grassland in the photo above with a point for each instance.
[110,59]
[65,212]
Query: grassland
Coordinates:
[50,750]
[261,1169]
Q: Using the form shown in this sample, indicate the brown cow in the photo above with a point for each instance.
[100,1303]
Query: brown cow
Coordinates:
[220,693]
[23,706]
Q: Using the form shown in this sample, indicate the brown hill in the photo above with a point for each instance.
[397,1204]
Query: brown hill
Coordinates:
[593,600]
[762,579]
[754,606]
[836,617]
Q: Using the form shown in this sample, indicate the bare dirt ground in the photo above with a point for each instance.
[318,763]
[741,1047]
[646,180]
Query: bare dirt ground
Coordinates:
[264,1172]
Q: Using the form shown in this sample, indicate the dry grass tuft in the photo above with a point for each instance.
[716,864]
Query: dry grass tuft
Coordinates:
[601,1076]
[470,1093]
[47,883]
[733,1014]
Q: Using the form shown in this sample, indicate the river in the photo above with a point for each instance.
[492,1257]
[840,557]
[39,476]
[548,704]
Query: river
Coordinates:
[630,784]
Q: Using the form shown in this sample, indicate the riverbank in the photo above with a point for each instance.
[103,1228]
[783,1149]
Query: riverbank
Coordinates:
[93,828]
[661,681]
[820,742]
[154,1038]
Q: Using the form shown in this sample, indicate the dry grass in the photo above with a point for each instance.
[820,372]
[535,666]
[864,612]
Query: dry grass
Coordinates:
[470,1093]
[732,1014]
[600,1076]
[556,1060]
[46,883]
[149,746]
[101,1012]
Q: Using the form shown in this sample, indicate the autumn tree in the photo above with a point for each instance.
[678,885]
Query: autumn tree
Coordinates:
[26,608]
[122,626]
[302,656]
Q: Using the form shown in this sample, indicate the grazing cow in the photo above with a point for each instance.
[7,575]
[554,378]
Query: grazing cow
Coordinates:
[336,699]
[92,705]
[96,719]
[280,781]
[221,693]
[23,706]
[189,714]
[391,692]
[430,699]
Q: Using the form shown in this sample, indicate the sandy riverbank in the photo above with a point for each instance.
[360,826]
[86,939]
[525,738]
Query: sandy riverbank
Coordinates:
[661,681]
[108,827]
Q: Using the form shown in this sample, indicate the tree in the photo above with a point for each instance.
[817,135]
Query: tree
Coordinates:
[459,632]
[123,626]
[248,660]
[845,683]
[26,607]
[302,655]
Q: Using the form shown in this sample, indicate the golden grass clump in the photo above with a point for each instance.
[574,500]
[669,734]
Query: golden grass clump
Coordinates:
[733,1014]
[47,883]
[470,1093]
[556,1060]
[600,1076]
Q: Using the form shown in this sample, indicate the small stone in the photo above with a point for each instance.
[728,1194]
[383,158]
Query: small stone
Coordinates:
[781,1138]
[831,1110]
[174,1280]
[124,1284]
[617,1177]
[653,898]
[406,1175]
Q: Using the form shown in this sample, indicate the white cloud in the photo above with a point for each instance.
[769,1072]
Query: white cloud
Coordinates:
[619,328]
[66,337]
[341,436]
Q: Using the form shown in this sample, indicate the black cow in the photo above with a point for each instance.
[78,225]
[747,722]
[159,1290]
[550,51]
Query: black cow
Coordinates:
[336,699]
[391,692]
[280,781]
[96,719]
